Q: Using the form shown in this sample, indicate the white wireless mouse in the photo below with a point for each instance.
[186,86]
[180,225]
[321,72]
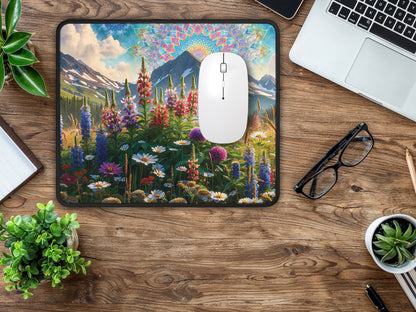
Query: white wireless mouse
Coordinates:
[223,97]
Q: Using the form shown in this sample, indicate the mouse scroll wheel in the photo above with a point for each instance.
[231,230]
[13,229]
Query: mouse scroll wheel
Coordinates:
[223,67]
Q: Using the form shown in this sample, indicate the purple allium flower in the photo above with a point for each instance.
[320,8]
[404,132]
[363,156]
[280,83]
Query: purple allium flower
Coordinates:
[77,157]
[264,174]
[85,122]
[101,146]
[218,154]
[196,135]
[170,98]
[235,172]
[110,169]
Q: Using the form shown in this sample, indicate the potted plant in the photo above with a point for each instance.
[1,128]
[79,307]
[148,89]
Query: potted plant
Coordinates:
[15,58]
[391,241]
[42,247]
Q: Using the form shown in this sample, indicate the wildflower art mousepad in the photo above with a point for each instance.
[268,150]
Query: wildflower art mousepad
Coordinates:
[127,115]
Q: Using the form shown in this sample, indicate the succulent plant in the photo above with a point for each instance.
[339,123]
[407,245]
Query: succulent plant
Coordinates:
[395,246]
[14,56]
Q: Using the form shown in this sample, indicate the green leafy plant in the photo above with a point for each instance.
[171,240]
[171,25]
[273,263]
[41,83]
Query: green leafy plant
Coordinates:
[394,246]
[38,249]
[15,57]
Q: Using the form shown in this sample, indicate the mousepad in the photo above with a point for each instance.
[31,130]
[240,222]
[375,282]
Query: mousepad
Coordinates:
[127,115]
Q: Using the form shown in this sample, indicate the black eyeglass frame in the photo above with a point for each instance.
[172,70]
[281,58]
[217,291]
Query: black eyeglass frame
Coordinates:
[339,147]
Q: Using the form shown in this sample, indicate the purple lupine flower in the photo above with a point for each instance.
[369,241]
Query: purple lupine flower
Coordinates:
[77,157]
[85,121]
[264,174]
[101,146]
[249,157]
[129,118]
[235,172]
[252,188]
[218,154]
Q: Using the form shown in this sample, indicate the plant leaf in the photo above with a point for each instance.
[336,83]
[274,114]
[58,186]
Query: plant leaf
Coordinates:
[29,80]
[406,253]
[399,256]
[408,233]
[390,255]
[16,41]
[2,73]
[13,10]
[398,229]
[22,57]
[382,245]
[55,229]
[388,230]
[387,240]
[380,252]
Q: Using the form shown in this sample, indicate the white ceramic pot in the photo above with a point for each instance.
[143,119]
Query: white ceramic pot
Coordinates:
[404,267]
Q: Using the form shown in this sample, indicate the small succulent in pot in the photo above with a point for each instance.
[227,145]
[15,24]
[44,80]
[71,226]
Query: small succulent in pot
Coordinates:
[14,57]
[42,248]
[395,242]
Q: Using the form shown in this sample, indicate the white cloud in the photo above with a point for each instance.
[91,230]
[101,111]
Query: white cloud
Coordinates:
[81,42]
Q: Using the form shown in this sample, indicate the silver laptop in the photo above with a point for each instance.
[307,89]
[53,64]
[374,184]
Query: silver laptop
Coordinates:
[366,46]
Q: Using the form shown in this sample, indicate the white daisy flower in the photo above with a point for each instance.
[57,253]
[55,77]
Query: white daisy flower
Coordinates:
[168,185]
[182,142]
[89,157]
[258,135]
[147,200]
[257,201]
[159,173]
[245,200]
[182,168]
[158,149]
[270,194]
[125,147]
[158,166]
[98,185]
[95,176]
[208,174]
[145,158]
[218,196]
[156,194]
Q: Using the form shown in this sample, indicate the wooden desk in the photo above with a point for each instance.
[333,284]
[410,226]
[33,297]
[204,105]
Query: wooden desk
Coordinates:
[298,255]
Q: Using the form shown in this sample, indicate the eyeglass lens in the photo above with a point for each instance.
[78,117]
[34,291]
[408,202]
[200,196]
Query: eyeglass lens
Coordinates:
[357,149]
[321,183]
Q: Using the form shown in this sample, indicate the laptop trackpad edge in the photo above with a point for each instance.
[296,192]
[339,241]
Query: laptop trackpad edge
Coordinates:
[382,73]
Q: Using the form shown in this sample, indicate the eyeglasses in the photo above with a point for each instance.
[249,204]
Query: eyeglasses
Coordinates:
[354,147]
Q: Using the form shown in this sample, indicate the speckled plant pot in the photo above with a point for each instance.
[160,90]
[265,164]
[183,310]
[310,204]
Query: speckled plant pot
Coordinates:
[403,268]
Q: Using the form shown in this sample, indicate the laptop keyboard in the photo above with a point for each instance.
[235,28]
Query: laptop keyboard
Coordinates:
[391,20]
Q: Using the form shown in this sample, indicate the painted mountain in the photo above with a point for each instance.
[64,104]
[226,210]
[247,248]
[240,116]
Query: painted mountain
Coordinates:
[80,80]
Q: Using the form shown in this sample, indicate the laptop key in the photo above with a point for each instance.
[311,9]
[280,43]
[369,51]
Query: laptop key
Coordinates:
[390,9]
[364,23]
[409,19]
[409,32]
[412,7]
[399,14]
[370,2]
[370,13]
[360,8]
[380,17]
[348,3]
[354,17]
[344,13]
[394,38]
[334,8]
[381,4]
[389,22]
[403,4]
[399,27]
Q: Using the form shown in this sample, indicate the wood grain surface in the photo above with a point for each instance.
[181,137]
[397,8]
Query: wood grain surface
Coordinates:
[298,255]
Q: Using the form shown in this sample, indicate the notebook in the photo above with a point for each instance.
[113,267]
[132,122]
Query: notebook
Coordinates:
[128,115]
[17,163]
[408,283]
